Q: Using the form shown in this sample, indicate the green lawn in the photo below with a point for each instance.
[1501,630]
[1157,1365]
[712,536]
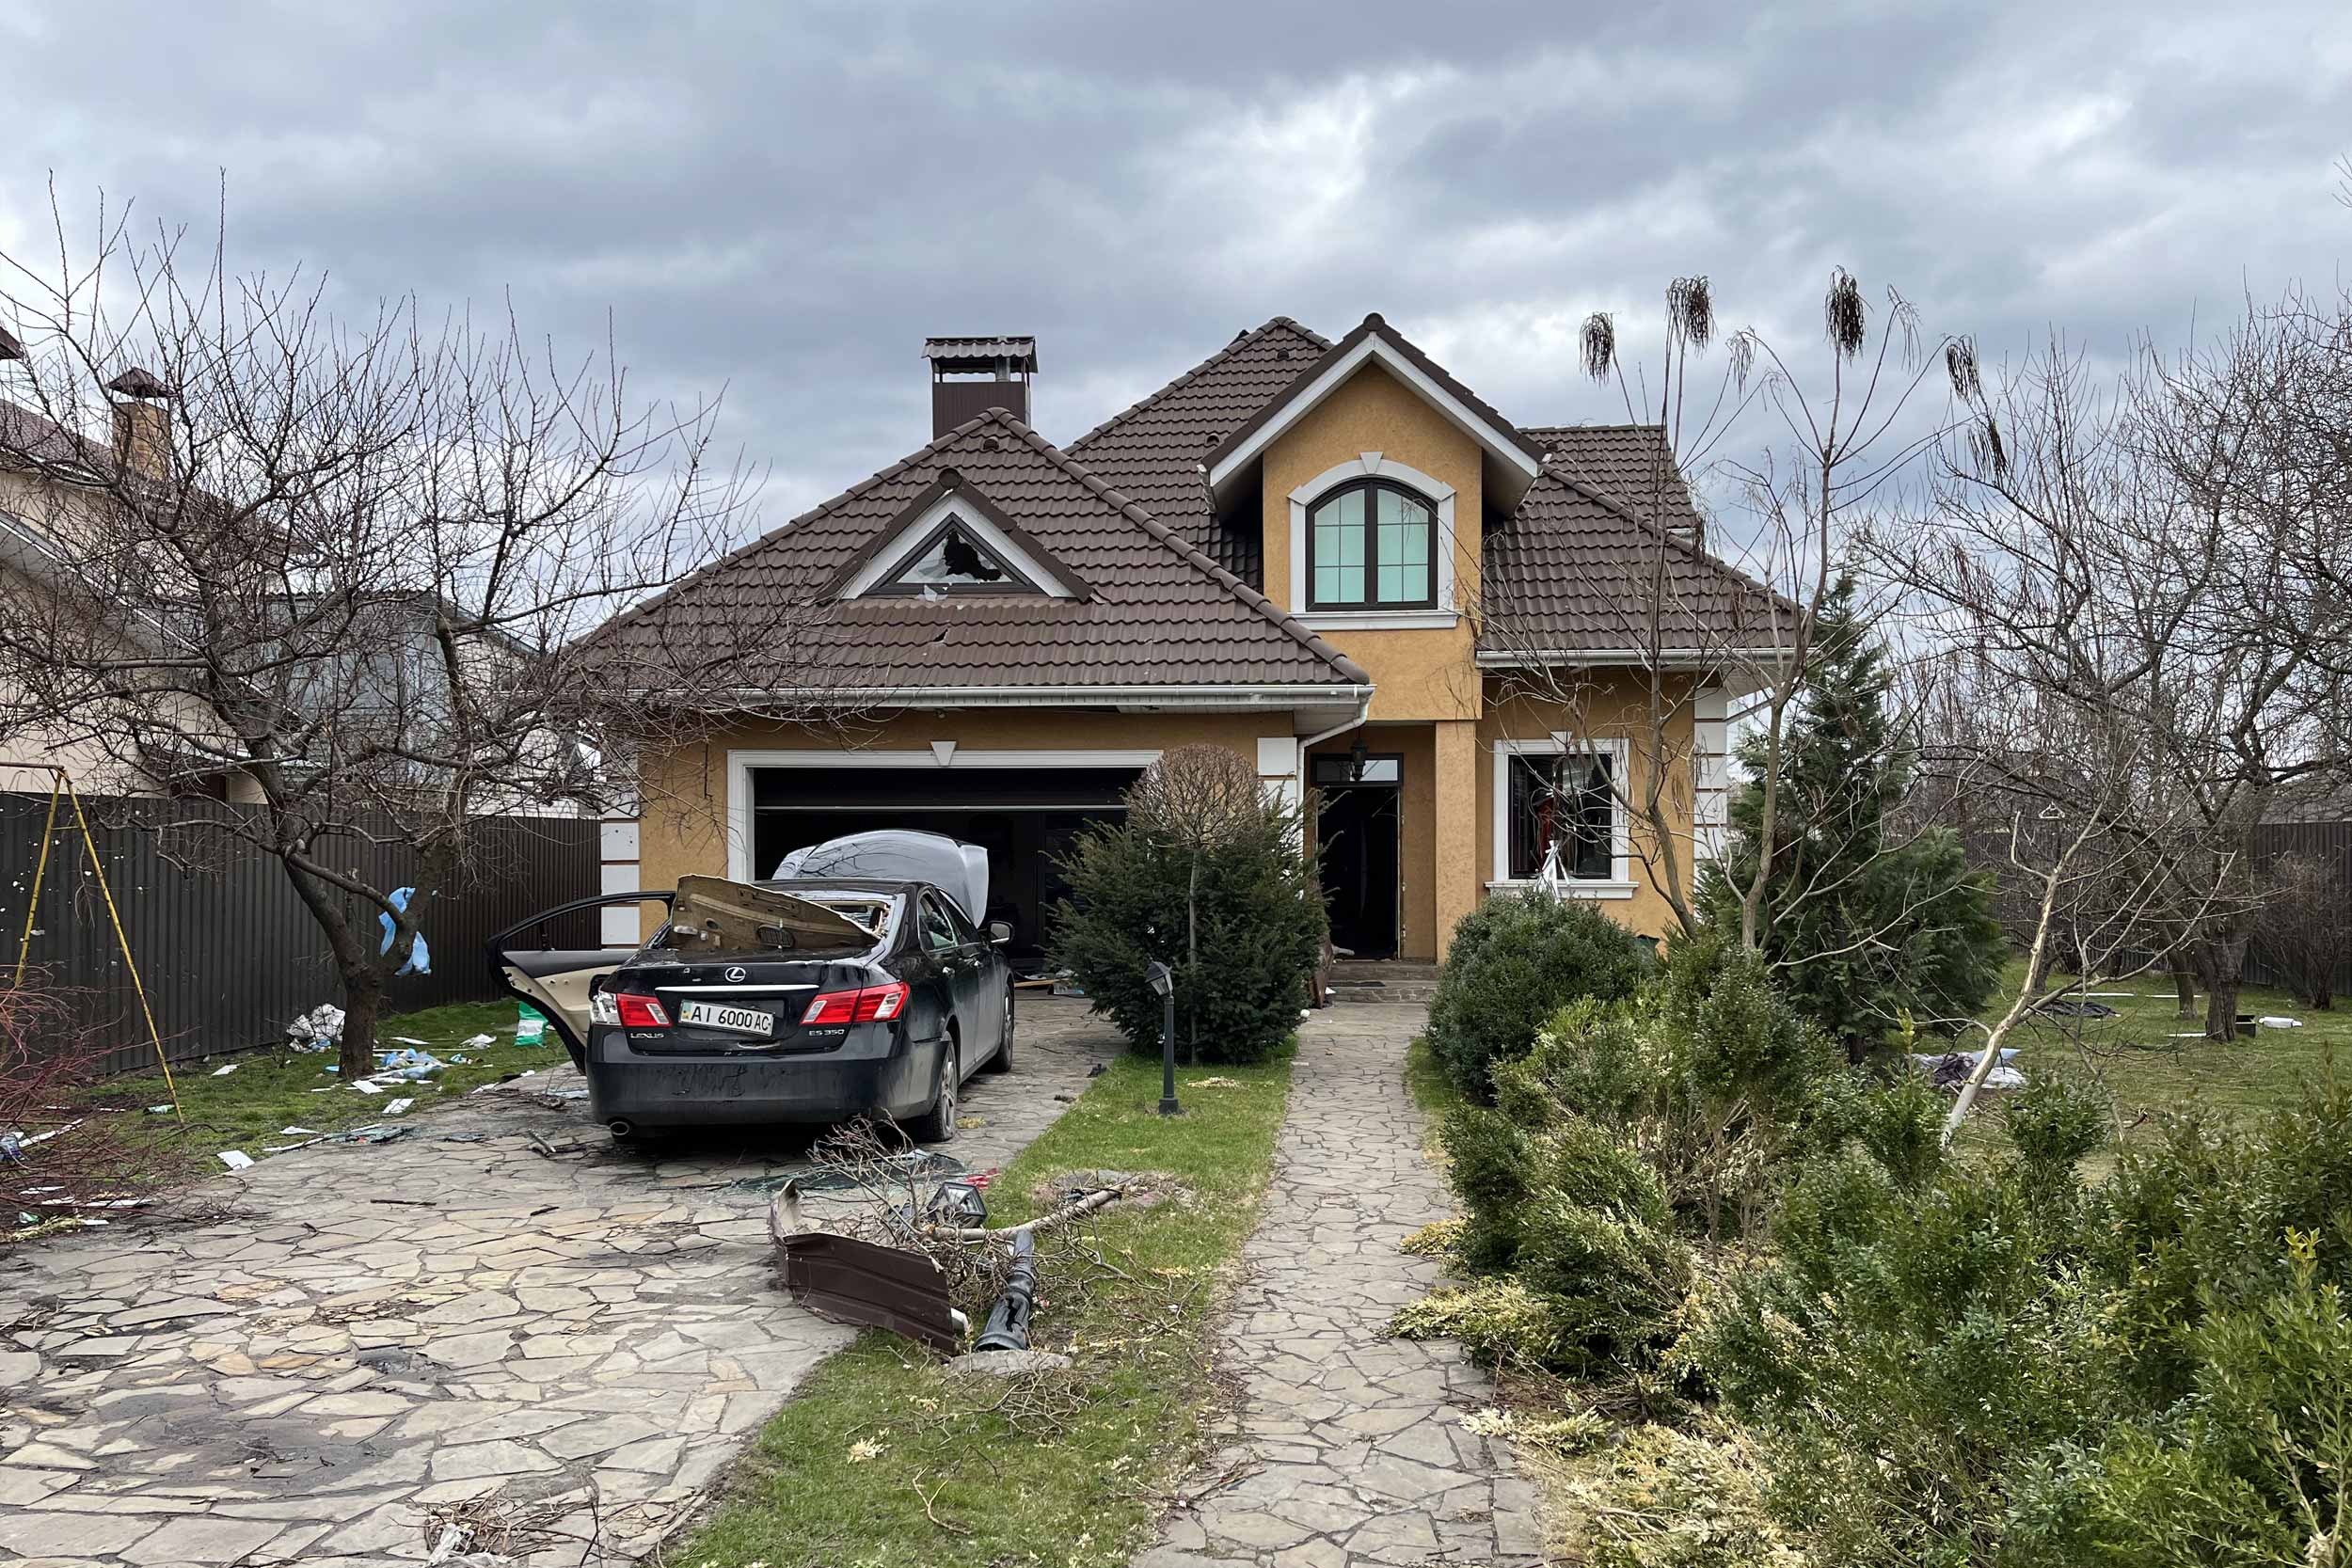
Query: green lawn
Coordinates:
[2148,1069]
[271,1091]
[882,1461]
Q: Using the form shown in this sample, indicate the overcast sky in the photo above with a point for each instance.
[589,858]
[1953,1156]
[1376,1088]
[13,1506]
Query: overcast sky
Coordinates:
[782,199]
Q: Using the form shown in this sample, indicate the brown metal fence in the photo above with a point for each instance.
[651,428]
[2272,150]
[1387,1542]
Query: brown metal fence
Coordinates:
[228,953]
[2330,845]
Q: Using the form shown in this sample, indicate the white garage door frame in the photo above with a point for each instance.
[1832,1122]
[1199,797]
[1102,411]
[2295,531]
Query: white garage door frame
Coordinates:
[942,754]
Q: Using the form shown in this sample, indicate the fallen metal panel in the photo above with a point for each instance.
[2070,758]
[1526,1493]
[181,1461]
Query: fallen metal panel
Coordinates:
[859,1282]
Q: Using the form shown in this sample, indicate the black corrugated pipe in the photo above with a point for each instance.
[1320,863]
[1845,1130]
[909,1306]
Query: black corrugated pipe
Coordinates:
[1007,1326]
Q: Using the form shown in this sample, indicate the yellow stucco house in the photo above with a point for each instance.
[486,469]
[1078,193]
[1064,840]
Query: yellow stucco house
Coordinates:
[1331,556]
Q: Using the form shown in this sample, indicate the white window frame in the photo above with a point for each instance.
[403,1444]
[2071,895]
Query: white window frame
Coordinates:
[1444,615]
[1620,883]
[893,558]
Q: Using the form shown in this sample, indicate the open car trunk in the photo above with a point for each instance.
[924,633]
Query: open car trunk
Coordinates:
[711,914]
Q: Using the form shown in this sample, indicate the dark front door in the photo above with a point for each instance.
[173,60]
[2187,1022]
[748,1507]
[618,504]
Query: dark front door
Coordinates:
[1355,831]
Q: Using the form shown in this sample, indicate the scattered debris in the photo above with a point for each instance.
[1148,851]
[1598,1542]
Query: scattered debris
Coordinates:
[531,1025]
[409,1066]
[2268,1022]
[225,1072]
[1952,1068]
[540,1146]
[236,1159]
[317,1029]
[366,1087]
[478,1042]
[394,1107]
[1213,1084]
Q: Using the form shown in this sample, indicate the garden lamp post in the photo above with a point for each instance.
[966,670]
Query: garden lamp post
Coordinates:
[1163,983]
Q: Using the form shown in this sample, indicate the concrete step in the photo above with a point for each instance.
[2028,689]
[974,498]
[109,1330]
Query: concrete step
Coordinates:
[1383,980]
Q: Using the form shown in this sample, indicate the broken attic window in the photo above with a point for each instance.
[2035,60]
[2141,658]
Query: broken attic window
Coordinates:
[955,560]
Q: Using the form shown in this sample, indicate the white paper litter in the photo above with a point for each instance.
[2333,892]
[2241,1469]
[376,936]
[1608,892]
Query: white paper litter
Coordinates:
[296,1132]
[478,1041]
[235,1159]
[2279,1022]
[224,1071]
[394,1107]
[408,1039]
[366,1087]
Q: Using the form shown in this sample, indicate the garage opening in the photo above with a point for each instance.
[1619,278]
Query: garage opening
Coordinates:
[1022,817]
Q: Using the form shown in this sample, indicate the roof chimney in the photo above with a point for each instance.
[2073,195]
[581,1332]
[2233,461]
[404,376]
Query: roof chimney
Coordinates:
[142,433]
[970,375]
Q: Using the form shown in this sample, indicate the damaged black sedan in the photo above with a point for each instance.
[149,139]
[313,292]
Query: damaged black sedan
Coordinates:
[816,996]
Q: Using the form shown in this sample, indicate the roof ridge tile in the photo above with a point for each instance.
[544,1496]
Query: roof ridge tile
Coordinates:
[1235,346]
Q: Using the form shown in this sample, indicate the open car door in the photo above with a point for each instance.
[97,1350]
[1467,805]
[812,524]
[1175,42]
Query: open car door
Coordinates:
[541,960]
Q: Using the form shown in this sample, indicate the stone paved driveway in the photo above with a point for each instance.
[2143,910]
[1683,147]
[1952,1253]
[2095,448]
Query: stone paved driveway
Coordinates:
[294,1385]
[1351,1451]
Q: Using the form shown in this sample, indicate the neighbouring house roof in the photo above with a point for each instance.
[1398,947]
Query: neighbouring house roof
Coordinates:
[1156,613]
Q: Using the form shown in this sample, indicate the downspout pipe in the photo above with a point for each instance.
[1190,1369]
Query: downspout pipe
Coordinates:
[1306,743]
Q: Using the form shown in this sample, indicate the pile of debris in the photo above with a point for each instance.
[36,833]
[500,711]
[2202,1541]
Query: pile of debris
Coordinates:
[912,1241]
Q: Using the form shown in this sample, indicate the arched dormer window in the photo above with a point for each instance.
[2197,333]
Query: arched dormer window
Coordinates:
[1371,545]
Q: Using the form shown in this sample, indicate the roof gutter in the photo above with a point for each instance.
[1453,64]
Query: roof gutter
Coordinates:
[1273,697]
[1665,658]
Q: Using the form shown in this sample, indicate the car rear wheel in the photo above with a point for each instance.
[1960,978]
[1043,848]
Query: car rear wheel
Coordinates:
[938,1124]
[1002,1061]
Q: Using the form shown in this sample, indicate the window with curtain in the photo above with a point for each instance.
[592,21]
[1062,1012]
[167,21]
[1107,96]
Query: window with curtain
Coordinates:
[1371,545]
[1563,800]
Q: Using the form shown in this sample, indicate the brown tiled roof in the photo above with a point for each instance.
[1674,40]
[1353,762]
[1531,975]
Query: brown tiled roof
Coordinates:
[1374,324]
[1152,452]
[1577,566]
[1158,612]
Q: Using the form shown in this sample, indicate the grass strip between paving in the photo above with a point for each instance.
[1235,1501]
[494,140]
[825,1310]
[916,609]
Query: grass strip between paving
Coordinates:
[881,1460]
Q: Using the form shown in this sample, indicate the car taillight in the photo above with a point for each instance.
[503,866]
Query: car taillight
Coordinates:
[876,1004]
[639,1011]
[867,1004]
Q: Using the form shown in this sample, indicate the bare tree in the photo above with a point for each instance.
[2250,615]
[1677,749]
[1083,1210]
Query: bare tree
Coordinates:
[1198,798]
[1684,630]
[339,573]
[2090,835]
[2169,556]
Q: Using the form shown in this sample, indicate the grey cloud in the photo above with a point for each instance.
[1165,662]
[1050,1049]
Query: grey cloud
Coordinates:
[784,200]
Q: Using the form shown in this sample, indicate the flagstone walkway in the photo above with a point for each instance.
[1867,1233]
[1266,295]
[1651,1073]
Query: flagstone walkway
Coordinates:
[1350,1451]
[384,1328]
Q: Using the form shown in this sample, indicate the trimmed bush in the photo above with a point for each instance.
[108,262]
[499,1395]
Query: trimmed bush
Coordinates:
[1514,962]
[1206,875]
